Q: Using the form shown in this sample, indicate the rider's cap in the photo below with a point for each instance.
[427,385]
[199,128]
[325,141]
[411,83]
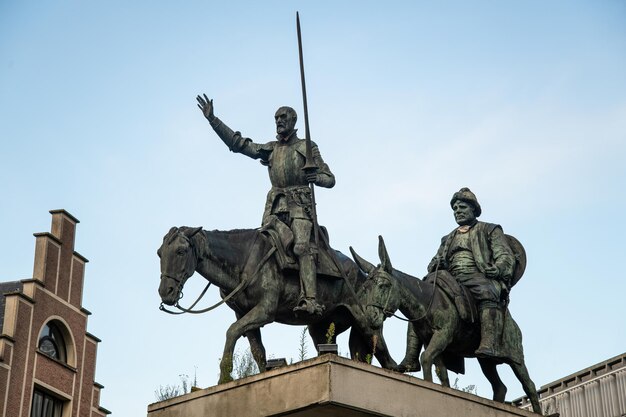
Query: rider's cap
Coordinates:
[466,195]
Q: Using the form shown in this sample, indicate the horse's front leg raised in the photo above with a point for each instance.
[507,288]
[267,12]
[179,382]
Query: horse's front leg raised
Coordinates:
[260,315]
[256,346]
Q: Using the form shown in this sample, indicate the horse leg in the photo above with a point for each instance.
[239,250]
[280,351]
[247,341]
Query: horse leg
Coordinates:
[253,320]
[257,348]
[521,373]
[491,373]
[318,332]
[442,371]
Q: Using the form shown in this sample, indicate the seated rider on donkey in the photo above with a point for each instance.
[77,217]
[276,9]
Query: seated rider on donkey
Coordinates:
[478,256]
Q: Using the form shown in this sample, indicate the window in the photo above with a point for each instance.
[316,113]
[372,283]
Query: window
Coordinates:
[45,405]
[52,343]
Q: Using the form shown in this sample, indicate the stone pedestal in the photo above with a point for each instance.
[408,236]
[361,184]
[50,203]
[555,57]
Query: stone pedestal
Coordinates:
[331,386]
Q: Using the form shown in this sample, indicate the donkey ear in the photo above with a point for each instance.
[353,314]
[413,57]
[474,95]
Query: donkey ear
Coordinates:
[190,231]
[362,263]
[384,256]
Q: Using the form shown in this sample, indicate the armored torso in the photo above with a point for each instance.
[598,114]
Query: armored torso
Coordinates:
[286,162]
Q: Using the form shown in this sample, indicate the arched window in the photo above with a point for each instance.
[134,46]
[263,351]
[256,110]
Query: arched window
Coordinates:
[52,343]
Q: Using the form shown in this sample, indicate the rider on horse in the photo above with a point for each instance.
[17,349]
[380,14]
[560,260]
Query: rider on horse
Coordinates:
[289,200]
[478,256]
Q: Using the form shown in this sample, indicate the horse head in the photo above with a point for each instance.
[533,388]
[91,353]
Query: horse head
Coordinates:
[378,293]
[178,262]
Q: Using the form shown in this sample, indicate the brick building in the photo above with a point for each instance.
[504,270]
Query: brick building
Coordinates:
[47,357]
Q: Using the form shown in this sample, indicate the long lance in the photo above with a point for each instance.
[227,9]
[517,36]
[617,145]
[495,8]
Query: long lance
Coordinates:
[309,165]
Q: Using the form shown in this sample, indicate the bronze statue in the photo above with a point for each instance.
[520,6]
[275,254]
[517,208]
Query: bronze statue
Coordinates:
[289,199]
[242,264]
[436,323]
[479,257]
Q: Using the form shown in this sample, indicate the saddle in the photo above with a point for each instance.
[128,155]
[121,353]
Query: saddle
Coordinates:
[281,237]
[459,294]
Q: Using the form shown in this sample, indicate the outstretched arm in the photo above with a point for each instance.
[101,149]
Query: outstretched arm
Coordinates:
[234,140]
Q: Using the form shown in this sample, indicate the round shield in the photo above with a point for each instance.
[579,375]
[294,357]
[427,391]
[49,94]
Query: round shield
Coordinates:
[520,258]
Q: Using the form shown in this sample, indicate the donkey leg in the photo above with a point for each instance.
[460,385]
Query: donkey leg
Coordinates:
[254,319]
[491,373]
[521,373]
[359,348]
[365,341]
[382,352]
[257,348]
[437,344]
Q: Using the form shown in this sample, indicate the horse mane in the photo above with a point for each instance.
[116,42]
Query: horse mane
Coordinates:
[230,248]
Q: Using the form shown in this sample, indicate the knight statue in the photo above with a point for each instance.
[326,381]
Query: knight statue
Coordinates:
[289,200]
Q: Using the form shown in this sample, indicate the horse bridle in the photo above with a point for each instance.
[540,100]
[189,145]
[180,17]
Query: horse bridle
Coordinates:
[243,282]
[188,271]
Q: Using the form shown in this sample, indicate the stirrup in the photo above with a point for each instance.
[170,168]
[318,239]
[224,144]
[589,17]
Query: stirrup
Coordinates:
[309,306]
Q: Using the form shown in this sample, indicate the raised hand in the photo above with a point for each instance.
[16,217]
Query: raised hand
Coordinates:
[206,106]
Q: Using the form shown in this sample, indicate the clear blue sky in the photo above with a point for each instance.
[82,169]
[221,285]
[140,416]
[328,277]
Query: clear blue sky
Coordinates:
[523,102]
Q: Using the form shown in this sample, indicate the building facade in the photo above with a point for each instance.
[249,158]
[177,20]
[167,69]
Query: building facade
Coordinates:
[47,357]
[597,391]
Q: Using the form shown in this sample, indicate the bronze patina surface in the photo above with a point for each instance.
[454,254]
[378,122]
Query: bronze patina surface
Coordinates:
[475,266]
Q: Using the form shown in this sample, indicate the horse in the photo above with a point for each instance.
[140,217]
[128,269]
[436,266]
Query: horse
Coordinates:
[435,323]
[241,265]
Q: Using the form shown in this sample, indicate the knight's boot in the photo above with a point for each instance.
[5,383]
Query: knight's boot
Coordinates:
[308,281]
[491,322]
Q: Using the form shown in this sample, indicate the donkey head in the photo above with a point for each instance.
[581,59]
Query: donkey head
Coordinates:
[378,292]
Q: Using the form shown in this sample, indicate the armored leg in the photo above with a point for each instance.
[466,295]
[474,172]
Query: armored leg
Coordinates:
[491,322]
[308,274]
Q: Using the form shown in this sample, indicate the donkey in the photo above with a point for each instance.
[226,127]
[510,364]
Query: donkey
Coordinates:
[435,323]
[240,263]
